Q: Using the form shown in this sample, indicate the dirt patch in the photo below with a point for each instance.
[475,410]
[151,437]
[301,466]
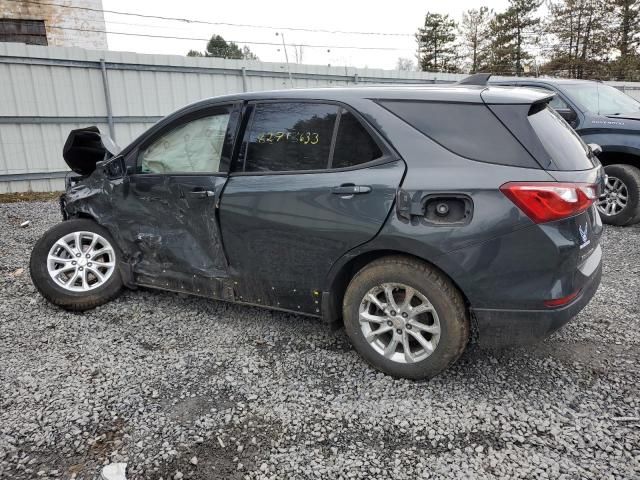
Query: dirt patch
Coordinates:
[29,197]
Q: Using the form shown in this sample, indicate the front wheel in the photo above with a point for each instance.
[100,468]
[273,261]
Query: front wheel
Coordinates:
[405,318]
[75,265]
[620,202]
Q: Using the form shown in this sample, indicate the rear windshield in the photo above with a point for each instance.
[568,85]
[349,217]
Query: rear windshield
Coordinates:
[562,143]
[470,130]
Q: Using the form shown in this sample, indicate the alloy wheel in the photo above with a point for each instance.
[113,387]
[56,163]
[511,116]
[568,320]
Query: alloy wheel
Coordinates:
[615,197]
[399,322]
[81,261]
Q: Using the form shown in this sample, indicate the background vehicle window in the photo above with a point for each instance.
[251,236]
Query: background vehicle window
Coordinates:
[603,99]
[194,147]
[467,129]
[290,136]
[556,103]
[354,145]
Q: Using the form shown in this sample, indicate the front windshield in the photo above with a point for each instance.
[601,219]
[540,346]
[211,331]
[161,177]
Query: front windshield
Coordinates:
[602,99]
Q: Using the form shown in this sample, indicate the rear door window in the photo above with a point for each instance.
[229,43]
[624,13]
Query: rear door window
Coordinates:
[562,143]
[353,144]
[290,136]
[470,130]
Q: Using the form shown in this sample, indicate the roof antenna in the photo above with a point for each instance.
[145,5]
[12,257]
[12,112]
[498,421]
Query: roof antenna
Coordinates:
[475,79]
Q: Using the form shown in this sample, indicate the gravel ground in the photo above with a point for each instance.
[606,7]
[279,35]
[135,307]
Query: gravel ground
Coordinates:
[182,387]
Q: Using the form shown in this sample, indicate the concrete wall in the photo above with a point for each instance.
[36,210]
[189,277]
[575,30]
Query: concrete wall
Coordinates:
[63,25]
[47,91]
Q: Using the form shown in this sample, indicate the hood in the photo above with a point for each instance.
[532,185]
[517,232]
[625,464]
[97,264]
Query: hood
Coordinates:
[626,116]
[622,122]
[87,146]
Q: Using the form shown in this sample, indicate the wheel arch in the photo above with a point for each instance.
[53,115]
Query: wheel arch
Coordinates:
[342,273]
[625,155]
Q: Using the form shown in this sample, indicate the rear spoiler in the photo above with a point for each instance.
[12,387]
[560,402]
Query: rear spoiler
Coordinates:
[475,79]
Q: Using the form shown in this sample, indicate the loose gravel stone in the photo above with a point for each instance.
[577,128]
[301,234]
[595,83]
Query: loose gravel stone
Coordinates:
[156,379]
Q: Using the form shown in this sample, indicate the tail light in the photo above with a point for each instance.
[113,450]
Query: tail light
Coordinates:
[548,201]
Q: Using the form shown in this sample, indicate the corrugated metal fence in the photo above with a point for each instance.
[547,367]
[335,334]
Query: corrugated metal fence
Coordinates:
[47,91]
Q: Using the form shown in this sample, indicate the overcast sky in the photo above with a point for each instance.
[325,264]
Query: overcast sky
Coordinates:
[403,17]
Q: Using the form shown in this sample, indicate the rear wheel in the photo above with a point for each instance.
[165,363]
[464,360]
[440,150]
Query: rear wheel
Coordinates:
[405,318]
[74,265]
[620,202]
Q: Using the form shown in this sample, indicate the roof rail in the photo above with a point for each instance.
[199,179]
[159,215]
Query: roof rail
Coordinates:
[475,79]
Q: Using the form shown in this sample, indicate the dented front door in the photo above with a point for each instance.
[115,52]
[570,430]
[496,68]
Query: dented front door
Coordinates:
[171,199]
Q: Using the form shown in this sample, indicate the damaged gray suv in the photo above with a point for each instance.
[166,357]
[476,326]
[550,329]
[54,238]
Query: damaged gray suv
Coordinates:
[408,213]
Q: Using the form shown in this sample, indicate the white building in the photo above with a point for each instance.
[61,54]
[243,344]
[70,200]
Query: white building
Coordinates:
[69,23]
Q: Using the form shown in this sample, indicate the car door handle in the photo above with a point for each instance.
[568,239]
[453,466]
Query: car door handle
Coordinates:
[202,193]
[350,189]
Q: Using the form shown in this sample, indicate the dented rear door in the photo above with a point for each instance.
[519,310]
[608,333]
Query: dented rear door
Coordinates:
[312,182]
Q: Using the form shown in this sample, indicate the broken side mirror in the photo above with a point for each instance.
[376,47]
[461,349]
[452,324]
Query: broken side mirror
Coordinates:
[569,115]
[114,168]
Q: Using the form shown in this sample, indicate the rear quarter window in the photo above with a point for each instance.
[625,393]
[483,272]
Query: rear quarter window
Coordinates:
[470,130]
[562,143]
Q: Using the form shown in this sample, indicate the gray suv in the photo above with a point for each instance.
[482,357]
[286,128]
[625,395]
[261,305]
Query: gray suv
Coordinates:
[407,213]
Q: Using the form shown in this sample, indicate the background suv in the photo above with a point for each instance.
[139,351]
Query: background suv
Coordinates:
[405,212]
[603,115]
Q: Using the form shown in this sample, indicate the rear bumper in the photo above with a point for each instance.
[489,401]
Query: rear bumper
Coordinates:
[501,328]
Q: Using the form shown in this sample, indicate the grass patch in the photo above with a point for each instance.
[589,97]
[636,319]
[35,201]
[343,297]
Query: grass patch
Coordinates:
[29,197]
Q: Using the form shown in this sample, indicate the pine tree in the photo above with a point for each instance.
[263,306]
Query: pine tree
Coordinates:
[217,46]
[512,33]
[626,31]
[581,38]
[436,46]
[475,32]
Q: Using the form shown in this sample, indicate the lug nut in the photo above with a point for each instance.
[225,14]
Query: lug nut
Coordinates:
[404,315]
[88,264]
[88,255]
[74,262]
[393,313]
[77,254]
[389,322]
[409,327]
[80,268]
[399,331]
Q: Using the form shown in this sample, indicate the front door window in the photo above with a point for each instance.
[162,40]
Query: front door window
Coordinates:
[193,147]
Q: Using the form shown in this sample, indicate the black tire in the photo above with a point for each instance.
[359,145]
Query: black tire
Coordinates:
[630,176]
[443,295]
[56,294]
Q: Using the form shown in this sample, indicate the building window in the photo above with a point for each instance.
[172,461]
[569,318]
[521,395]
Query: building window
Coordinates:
[31,32]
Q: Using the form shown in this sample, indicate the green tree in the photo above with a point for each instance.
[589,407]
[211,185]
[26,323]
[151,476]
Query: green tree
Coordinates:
[217,46]
[513,33]
[581,33]
[626,31]
[436,47]
[475,33]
